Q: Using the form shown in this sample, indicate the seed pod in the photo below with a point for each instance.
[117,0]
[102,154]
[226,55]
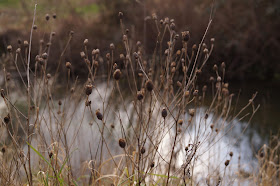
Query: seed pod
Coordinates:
[88,89]
[152,164]
[50,155]
[47,16]
[212,126]
[18,50]
[149,85]
[25,43]
[83,55]
[9,48]
[172,26]
[122,143]
[140,95]
[204,88]
[112,46]
[86,42]
[219,79]
[211,79]
[88,103]
[98,114]
[59,102]
[68,65]
[186,36]
[180,122]
[215,67]
[187,93]
[120,15]
[231,154]
[7,119]
[3,149]
[45,55]
[195,93]
[117,74]
[191,112]
[35,27]
[223,65]
[54,16]
[143,150]
[212,40]
[164,113]
[226,163]
[71,33]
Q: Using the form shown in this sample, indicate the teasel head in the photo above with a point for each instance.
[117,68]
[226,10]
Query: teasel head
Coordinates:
[122,143]
[98,115]
[164,113]
[117,74]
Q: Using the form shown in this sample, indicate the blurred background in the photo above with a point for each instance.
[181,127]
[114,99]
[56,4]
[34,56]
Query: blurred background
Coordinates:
[246,33]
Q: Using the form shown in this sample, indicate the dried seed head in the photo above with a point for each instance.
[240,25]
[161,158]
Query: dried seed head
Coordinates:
[49,76]
[204,88]
[83,55]
[179,130]
[161,22]
[180,122]
[71,33]
[176,37]
[149,85]
[112,126]
[122,143]
[95,64]
[195,93]
[18,50]
[223,65]
[219,79]
[88,89]
[191,112]
[112,46]
[7,119]
[135,54]
[45,55]
[154,16]
[72,90]
[187,94]
[88,103]
[152,164]
[226,163]
[117,74]
[164,113]
[138,43]
[186,36]
[124,37]
[212,126]
[19,41]
[54,15]
[194,47]
[86,42]
[25,43]
[34,27]
[3,150]
[59,102]
[140,95]
[178,53]
[2,93]
[120,15]
[122,57]
[143,150]
[205,51]
[47,17]
[9,48]
[211,79]
[68,65]
[215,67]
[98,114]
[230,154]
[50,155]
[172,26]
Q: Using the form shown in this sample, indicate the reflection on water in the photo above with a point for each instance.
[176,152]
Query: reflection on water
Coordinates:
[214,149]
